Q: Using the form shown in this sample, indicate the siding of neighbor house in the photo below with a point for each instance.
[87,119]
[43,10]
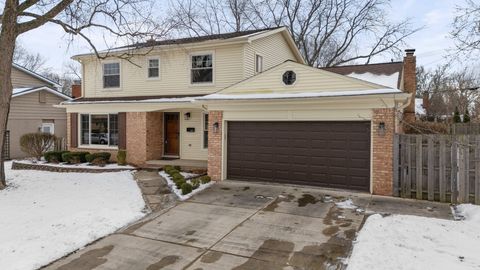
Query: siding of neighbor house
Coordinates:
[271,57]
[22,79]
[27,115]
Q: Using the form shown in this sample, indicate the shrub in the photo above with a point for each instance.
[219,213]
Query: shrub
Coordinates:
[98,158]
[195,183]
[168,169]
[177,175]
[178,168]
[122,157]
[54,156]
[75,157]
[36,144]
[205,179]
[179,183]
[186,188]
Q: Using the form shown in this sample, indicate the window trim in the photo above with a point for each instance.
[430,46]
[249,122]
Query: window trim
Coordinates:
[256,63]
[212,83]
[148,68]
[90,145]
[203,130]
[119,74]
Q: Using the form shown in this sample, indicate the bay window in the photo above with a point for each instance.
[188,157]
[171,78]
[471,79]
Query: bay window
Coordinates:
[99,129]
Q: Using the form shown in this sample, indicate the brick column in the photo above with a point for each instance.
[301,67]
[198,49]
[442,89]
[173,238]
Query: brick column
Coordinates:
[215,145]
[144,136]
[382,155]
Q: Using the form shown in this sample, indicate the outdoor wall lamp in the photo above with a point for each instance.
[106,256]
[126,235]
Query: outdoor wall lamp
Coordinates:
[381,128]
[187,115]
[215,127]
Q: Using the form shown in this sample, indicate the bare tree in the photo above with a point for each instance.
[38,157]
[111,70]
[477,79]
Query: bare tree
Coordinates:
[328,32]
[129,20]
[31,61]
[466,28]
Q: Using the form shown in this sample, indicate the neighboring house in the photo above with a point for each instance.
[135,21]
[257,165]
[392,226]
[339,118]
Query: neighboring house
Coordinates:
[245,104]
[31,109]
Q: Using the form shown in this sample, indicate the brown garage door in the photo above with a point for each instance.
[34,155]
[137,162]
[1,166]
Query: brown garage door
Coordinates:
[328,154]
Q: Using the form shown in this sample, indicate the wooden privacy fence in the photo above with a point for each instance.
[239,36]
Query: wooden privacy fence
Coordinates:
[443,168]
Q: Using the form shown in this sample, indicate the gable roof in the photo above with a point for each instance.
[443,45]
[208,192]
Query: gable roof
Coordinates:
[36,75]
[388,74]
[240,36]
[28,90]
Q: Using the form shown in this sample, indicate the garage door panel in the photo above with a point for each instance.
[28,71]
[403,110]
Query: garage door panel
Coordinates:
[331,154]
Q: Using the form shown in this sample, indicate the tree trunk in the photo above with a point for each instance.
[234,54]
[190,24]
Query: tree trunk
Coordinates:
[8,36]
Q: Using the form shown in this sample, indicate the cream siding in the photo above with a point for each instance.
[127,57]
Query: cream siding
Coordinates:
[27,115]
[308,79]
[174,73]
[274,49]
[22,79]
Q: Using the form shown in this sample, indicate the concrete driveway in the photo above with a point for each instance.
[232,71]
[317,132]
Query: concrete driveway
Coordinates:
[238,225]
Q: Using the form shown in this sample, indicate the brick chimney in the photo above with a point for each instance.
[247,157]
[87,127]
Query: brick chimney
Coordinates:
[426,101]
[410,83]
[76,90]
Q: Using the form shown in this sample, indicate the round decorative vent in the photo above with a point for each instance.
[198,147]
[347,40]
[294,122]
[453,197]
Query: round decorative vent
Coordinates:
[289,77]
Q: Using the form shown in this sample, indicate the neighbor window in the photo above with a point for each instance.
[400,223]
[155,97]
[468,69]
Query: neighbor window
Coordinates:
[153,68]
[202,68]
[205,130]
[111,75]
[99,129]
[258,63]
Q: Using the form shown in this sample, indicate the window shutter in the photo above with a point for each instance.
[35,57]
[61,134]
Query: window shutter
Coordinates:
[73,129]
[122,130]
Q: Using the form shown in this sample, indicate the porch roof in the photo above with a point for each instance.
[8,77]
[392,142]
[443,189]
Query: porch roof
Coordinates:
[133,99]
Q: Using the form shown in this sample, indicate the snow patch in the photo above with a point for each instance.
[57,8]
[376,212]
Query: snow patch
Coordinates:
[178,192]
[389,80]
[47,215]
[347,204]
[404,242]
[419,109]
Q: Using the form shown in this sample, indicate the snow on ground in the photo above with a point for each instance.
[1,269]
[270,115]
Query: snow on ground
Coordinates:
[402,242]
[78,166]
[419,109]
[46,215]
[177,191]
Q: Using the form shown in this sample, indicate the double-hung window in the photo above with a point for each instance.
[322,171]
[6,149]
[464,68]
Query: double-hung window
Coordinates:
[202,68]
[111,75]
[99,129]
[205,130]
[153,68]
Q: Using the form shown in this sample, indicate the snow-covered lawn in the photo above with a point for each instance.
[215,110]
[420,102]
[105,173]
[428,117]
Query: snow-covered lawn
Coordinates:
[400,242]
[45,215]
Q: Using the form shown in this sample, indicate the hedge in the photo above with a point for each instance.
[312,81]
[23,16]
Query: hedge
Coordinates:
[54,156]
[98,158]
[75,157]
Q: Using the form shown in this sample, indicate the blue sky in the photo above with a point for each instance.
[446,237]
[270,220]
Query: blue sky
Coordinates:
[431,42]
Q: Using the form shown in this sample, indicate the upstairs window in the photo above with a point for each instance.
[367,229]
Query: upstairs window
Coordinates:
[258,63]
[202,69]
[111,75]
[153,68]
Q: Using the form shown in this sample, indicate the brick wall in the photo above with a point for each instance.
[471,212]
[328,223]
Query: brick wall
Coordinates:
[144,137]
[382,155]
[215,145]
[410,83]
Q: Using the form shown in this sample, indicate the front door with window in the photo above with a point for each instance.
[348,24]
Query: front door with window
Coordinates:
[172,133]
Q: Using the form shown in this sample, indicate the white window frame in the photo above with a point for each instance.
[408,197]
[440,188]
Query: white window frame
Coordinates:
[190,68]
[148,68]
[120,74]
[90,145]
[203,130]
[256,63]
[50,125]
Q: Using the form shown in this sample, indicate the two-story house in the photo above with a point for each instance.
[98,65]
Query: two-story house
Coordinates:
[245,104]
[31,109]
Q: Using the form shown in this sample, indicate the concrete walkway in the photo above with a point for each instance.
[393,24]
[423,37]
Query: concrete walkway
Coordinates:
[238,225]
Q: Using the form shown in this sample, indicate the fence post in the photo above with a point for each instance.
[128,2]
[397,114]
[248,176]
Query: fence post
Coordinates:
[396,163]
[408,183]
[431,169]
[461,169]
[454,170]
[442,170]
[477,169]
[419,166]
